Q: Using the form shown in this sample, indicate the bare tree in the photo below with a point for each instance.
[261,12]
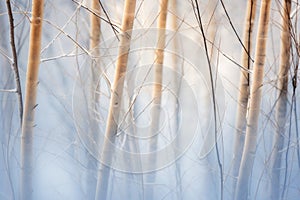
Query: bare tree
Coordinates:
[30,99]
[177,78]
[244,90]
[115,99]
[254,105]
[95,32]
[157,87]
[281,104]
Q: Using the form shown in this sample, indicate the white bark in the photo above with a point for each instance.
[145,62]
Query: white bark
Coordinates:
[158,72]
[30,99]
[115,101]
[177,81]
[244,90]
[254,105]
[95,31]
[281,106]
[157,88]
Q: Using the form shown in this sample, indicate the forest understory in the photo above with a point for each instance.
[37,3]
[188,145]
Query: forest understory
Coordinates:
[152,100]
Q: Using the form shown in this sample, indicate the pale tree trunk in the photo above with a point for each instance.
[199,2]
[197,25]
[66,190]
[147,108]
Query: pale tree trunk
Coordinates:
[95,31]
[157,87]
[244,90]
[243,182]
[30,99]
[95,25]
[281,105]
[115,101]
[158,71]
[177,74]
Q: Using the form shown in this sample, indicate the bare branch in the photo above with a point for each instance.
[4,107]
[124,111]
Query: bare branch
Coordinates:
[9,90]
[234,30]
[15,60]
[198,16]
[113,26]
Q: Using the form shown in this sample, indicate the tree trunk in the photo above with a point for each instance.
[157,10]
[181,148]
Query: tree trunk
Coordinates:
[248,156]
[115,101]
[95,31]
[157,88]
[281,106]
[177,74]
[158,71]
[30,99]
[244,91]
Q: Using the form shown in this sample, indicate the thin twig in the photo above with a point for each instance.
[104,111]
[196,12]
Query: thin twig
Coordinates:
[113,26]
[3,53]
[68,36]
[213,93]
[234,30]
[109,21]
[8,90]
[61,29]
[60,57]
[15,60]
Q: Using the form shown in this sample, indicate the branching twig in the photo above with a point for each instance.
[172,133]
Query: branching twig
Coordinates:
[61,29]
[68,36]
[234,30]
[109,21]
[113,26]
[15,60]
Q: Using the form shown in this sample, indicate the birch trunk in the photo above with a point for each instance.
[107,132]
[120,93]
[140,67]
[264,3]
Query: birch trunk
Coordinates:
[244,91]
[281,106]
[115,101]
[248,156]
[157,88]
[158,71]
[95,24]
[95,31]
[177,74]
[30,99]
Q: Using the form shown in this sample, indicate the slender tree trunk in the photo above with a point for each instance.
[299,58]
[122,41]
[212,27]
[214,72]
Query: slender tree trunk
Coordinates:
[248,156]
[115,101]
[157,88]
[244,90]
[177,82]
[95,31]
[95,24]
[15,59]
[158,71]
[281,106]
[30,99]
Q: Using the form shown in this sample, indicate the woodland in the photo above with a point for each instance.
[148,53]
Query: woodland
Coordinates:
[152,100]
